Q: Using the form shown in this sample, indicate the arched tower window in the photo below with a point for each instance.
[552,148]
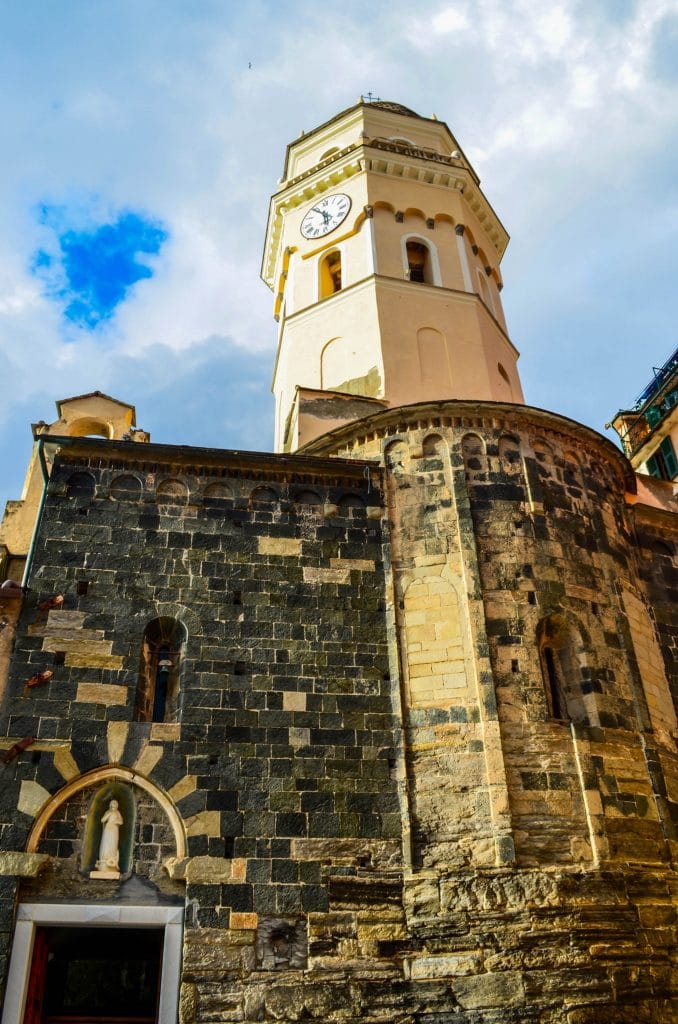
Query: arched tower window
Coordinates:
[567,679]
[160,671]
[419,262]
[330,274]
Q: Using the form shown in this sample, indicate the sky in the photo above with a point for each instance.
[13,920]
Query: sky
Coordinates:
[142,140]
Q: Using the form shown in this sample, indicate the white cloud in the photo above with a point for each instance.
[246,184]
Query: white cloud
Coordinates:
[154,108]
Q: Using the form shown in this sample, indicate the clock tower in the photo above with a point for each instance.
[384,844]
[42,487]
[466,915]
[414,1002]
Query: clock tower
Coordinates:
[383,255]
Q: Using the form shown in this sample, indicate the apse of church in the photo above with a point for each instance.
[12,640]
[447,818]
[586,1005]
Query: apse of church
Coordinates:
[379,728]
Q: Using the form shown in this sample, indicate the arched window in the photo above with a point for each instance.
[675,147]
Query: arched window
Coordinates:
[160,671]
[419,262]
[330,274]
[567,679]
[484,290]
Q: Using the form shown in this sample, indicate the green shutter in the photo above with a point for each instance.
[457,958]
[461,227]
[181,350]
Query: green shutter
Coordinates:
[652,467]
[666,448]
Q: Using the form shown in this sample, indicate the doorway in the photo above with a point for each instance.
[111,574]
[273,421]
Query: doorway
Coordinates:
[106,976]
[88,964]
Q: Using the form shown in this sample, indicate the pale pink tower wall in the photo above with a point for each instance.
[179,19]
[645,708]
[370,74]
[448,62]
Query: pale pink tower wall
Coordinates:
[383,255]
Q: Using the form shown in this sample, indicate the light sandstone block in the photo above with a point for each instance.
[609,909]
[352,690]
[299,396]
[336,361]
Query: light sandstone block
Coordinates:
[294,701]
[148,759]
[243,922]
[32,798]
[101,693]
[65,764]
[22,865]
[285,546]
[183,787]
[361,564]
[116,736]
[206,823]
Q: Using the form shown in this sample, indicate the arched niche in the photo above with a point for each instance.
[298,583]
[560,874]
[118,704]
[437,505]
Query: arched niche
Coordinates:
[505,386]
[80,485]
[160,669]
[510,458]
[433,446]
[433,361]
[121,792]
[97,777]
[217,491]
[572,474]
[307,498]
[397,458]
[544,456]
[263,496]
[349,502]
[125,487]
[473,452]
[171,492]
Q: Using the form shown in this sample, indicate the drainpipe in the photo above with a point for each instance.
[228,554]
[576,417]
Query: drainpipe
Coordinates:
[38,518]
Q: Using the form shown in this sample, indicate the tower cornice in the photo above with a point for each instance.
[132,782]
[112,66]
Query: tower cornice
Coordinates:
[384,157]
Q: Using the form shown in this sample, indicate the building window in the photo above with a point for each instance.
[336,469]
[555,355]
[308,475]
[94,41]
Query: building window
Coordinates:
[330,274]
[567,678]
[418,262]
[663,463]
[160,671]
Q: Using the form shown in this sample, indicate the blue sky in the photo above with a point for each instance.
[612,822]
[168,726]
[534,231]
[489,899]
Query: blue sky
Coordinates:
[141,149]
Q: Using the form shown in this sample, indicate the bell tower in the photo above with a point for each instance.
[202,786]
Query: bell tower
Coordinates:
[383,255]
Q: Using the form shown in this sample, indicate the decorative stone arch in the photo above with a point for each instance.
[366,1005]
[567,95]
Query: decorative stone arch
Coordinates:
[96,777]
[414,211]
[380,204]
[431,266]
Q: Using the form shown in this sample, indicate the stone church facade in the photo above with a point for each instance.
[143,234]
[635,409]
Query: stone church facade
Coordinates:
[387,719]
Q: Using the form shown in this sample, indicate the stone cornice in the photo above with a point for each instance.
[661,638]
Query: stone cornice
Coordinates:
[184,459]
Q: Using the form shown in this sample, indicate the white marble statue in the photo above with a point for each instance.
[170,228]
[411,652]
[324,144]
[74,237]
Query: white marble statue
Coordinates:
[109,847]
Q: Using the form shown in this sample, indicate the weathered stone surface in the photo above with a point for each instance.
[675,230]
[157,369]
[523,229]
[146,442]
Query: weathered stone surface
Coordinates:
[23,865]
[32,798]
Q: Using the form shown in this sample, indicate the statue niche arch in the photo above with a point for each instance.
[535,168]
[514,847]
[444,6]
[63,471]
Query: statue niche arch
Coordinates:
[158,689]
[100,808]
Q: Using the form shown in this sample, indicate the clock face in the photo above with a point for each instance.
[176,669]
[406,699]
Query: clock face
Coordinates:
[325,215]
